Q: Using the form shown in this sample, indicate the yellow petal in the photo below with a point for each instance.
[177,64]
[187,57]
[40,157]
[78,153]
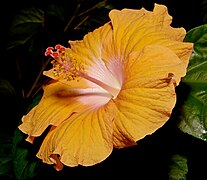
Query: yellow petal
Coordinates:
[84,139]
[91,46]
[140,112]
[135,29]
[148,95]
[55,107]
[97,52]
[153,62]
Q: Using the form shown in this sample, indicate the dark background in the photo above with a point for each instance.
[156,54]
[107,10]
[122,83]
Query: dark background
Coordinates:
[151,158]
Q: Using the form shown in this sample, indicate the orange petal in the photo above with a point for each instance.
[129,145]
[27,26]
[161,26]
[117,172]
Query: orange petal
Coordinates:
[141,112]
[135,29]
[56,105]
[148,95]
[91,46]
[153,63]
[85,139]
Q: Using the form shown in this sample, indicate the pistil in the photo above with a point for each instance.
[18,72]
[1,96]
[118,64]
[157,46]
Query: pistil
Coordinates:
[67,67]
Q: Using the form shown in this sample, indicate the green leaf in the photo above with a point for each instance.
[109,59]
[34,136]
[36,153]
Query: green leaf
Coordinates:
[203,12]
[26,25]
[56,12]
[6,89]
[5,165]
[193,118]
[5,155]
[23,167]
[8,99]
[178,167]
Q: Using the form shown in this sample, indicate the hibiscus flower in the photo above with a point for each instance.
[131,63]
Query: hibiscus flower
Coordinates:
[110,89]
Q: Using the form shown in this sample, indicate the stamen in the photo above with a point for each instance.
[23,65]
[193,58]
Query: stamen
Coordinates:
[65,66]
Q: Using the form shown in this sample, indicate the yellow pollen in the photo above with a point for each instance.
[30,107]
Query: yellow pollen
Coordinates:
[66,67]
